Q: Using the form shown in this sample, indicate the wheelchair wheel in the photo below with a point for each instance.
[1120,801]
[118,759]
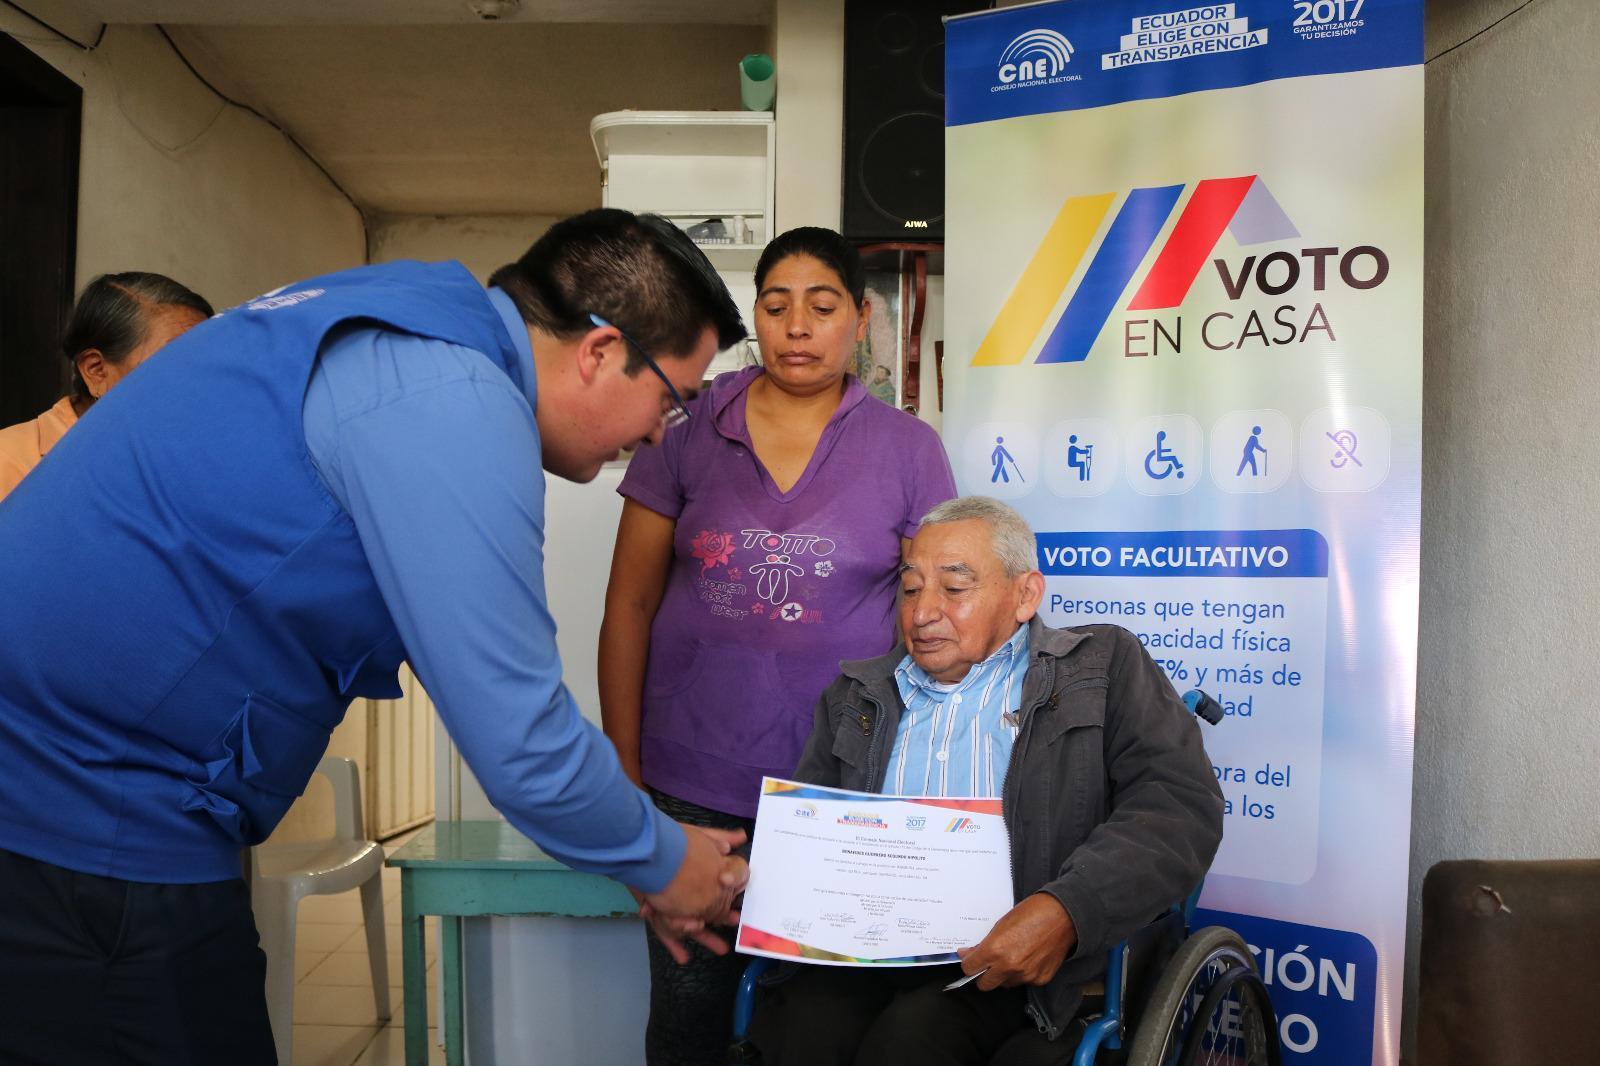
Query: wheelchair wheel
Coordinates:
[1199,963]
[743,1053]
[1235,1024]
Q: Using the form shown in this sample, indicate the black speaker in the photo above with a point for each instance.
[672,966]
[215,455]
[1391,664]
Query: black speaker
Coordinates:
[894,118]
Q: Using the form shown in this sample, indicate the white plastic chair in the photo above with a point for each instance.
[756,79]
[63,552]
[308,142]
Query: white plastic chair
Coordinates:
[283,874]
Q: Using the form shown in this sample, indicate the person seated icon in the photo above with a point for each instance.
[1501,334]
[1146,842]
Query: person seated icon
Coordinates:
[1080,457]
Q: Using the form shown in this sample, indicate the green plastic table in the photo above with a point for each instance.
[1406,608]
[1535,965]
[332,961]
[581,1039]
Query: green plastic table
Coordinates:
[462,870]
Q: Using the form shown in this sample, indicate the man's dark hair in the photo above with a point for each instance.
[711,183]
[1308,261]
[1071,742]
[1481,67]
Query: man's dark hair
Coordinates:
[113,315]
[638,272]
[824,245]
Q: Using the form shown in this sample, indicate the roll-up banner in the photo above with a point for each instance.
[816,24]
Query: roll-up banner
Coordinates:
[1184,338]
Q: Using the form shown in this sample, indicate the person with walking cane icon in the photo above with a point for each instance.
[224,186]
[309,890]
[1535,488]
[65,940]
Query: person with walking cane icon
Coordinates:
[1251,447]
[1000,457]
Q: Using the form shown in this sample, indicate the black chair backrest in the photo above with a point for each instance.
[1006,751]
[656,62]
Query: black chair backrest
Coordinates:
[1510,964]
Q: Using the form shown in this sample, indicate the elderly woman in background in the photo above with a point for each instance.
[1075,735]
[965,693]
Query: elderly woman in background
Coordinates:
[120,320]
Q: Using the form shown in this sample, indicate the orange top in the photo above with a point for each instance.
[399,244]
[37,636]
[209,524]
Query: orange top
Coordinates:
[24,444]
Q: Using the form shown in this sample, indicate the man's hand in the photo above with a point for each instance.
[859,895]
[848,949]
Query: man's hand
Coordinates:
[1025,947]
[704,887]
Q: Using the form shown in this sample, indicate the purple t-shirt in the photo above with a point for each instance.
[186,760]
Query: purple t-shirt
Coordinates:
[770,590]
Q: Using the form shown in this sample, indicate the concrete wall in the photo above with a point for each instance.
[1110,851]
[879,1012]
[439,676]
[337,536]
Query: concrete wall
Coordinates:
[483,243]
[175,181]
[1507,738]
[808,46]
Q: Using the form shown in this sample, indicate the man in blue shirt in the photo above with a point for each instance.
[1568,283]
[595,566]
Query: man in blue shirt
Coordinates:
[259,526]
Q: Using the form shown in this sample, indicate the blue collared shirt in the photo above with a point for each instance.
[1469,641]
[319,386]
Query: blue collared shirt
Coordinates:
[955,739]
[435,454]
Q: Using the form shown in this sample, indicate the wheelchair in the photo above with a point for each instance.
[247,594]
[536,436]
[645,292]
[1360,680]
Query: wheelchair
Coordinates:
[1174,995]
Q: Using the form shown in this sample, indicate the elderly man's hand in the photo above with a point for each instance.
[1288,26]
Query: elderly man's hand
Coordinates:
[702,891]
[1025,947]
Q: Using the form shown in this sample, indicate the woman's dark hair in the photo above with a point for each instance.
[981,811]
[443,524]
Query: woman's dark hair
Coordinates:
[638,272]
[113,315]
[823,245]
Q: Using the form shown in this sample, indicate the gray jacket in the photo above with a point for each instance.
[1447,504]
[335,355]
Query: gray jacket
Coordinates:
[1109,798]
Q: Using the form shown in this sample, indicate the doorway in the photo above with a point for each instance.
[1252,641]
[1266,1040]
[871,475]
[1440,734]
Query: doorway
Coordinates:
[40,117]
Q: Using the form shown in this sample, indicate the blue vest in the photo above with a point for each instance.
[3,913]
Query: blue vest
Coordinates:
[185,613]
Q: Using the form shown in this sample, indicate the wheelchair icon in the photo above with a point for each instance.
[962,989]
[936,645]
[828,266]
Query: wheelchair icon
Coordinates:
[1161,462]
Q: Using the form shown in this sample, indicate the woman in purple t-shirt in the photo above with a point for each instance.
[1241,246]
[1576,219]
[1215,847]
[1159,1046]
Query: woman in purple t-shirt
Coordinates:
[758,548]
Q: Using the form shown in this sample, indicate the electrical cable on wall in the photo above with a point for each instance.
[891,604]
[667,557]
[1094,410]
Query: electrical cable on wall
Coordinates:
[366,236]
[31,17]
[1516,10]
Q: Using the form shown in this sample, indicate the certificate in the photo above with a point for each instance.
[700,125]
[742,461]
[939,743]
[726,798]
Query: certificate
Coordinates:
[857,879]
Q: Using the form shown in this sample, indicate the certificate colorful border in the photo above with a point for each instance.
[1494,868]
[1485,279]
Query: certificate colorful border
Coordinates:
[753,941]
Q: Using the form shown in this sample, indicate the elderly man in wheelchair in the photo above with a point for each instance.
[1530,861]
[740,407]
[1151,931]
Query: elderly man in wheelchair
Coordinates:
[1110,801]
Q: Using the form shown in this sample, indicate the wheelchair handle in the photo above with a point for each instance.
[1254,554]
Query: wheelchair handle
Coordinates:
[1204,706]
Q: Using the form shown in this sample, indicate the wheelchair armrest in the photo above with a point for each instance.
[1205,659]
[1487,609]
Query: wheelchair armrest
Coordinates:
[1144,955]
[744,1005]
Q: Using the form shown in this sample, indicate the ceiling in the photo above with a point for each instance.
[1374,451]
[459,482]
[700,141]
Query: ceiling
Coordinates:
[421,107]
[467,119]
[423,12]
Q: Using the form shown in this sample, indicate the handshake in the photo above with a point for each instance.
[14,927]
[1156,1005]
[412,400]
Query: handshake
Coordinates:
[701,894]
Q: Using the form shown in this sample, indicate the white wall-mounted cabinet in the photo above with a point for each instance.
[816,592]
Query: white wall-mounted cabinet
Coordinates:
[693,167]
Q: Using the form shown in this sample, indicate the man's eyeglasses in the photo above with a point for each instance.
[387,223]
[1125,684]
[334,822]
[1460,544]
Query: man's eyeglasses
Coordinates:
[679,412]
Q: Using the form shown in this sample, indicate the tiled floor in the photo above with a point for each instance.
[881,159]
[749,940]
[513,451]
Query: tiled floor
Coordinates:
[335,1021]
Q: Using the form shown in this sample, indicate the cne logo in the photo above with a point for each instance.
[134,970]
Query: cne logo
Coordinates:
[962,825]
[1037,55]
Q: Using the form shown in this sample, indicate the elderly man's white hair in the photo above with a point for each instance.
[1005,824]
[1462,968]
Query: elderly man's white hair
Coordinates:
[1010,536]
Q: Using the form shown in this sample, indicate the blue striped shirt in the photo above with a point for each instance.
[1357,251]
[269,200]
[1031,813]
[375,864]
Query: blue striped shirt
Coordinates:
[955,739]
